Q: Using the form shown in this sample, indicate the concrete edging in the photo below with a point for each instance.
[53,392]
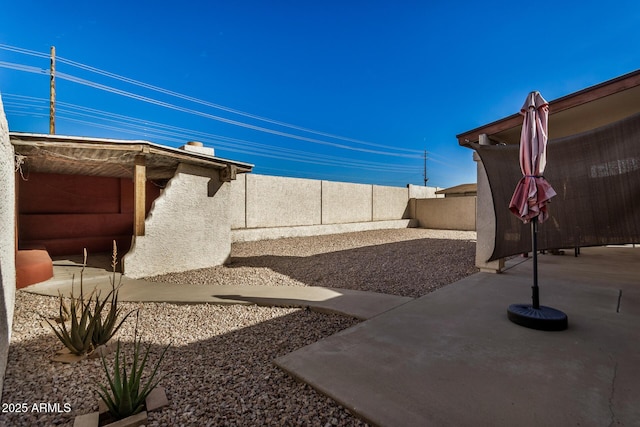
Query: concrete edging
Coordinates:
[254,234]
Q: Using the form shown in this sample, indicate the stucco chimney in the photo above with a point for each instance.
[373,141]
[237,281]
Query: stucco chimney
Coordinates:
[198,147]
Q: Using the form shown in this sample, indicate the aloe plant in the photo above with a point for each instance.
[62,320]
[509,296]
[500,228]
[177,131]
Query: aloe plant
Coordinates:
[126,392]
[78,337]
[66,313]
[105,329]
[88,329]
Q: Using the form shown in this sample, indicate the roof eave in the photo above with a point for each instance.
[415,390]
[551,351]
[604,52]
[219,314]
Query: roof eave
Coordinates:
[566,102]
[141,146]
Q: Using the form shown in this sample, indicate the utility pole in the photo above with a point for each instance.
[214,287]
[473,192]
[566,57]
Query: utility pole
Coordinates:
[52,93]
[425,168]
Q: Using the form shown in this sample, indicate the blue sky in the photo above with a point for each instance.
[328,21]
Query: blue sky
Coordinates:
[377,82]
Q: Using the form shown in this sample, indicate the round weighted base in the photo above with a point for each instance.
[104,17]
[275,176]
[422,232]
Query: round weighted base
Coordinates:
[543,318]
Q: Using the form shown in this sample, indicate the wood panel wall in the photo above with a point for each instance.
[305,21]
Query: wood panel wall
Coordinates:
[66,213]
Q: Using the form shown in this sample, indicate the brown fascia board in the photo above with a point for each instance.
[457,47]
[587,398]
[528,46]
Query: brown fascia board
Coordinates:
[575,99]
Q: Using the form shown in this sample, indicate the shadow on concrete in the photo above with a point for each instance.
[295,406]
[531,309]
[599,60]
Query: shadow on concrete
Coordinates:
[346,302]
[380,268]
[99,260]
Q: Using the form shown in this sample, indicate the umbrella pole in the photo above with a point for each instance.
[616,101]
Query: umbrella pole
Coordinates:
[534,246]
[536,316]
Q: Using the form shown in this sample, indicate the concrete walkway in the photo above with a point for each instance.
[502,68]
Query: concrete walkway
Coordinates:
[358,304]
[452,358]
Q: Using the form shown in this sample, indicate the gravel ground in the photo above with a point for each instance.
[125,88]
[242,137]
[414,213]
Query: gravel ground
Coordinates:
[407,262]
[219,368]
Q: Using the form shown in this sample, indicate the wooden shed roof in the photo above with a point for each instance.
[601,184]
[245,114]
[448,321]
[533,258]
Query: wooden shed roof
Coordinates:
[74,155]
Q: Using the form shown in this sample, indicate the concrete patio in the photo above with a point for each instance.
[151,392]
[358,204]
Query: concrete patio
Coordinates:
[452,358]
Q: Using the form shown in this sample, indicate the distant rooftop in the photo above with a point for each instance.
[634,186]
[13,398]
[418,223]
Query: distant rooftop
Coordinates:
[460,190]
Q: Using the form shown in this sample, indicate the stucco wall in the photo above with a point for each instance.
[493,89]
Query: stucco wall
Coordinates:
[344,202]
[421,192]
[238,202]
[269,202]
[274,201]
[7,241]
[390,203]
[188,226]
[486,226]
[457,213]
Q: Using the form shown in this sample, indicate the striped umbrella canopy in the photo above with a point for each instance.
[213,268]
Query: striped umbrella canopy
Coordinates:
[529,203]
[533,192]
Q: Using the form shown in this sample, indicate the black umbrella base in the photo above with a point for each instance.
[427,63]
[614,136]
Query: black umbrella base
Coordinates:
[543,318]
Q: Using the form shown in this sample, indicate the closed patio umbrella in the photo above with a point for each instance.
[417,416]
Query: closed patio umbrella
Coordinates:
[529,203]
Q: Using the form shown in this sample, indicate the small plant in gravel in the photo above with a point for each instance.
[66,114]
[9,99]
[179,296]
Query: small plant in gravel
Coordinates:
[126,392]
[65,313]
[105,329]
[87,328]
[78,336]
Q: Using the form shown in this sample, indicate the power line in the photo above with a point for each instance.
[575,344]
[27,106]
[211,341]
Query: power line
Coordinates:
[20,67]
[258,153]
[169,133]
[121,92]
[227,109]
[23,51]
[179,135]
[68,77]
[182,109]
[198,101]
[164,129]
[314,175]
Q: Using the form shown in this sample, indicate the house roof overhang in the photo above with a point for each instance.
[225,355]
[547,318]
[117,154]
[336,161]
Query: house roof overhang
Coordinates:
[72,155]
[580,111]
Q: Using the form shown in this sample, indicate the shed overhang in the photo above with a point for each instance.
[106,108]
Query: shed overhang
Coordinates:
[72,155]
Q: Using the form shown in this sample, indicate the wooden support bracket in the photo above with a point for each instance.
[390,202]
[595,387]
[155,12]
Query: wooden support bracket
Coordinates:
[229,173]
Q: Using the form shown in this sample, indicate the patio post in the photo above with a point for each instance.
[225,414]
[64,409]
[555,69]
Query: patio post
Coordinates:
[139,205]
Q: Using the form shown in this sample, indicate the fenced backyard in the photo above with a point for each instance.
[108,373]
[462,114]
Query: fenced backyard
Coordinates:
[219,368]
